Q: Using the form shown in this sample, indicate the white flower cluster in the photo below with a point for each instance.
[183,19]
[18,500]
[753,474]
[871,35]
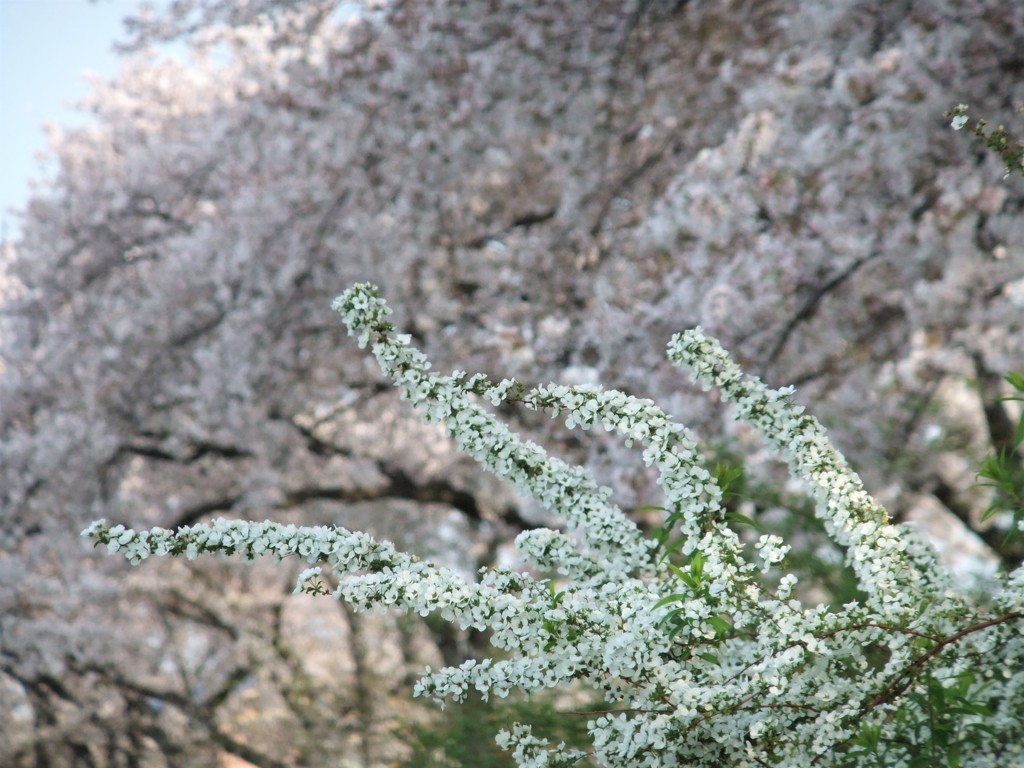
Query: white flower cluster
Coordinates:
[700,661]
[854,519]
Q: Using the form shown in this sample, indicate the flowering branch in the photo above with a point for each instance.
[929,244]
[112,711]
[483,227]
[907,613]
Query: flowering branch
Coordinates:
[998,139]
[701,663]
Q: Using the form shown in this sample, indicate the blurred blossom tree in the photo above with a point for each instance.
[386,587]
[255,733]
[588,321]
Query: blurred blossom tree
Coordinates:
[546,190]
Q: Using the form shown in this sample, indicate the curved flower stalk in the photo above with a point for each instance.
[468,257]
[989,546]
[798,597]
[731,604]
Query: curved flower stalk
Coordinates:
[610,537]
[854,520]
[700,662]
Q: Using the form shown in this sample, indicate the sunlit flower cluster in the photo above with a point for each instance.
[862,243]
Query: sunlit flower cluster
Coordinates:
[704,658]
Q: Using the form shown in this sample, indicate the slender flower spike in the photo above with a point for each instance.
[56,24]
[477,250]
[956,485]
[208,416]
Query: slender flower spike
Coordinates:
[704,657]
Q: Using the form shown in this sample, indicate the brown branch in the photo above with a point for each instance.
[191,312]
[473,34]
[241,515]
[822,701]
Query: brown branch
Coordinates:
[810,304]
[903,680]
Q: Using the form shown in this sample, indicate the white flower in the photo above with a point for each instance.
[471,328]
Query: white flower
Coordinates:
[305,576]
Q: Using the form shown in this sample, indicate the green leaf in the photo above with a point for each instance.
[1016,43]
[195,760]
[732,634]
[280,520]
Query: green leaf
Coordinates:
[1016,380]
[697,565]
[973,708]
[676,597]
[678,621]
[677,629]
[726,475]
[720,625]
[737,519]
[672,546]
[684,577]
[869,737]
